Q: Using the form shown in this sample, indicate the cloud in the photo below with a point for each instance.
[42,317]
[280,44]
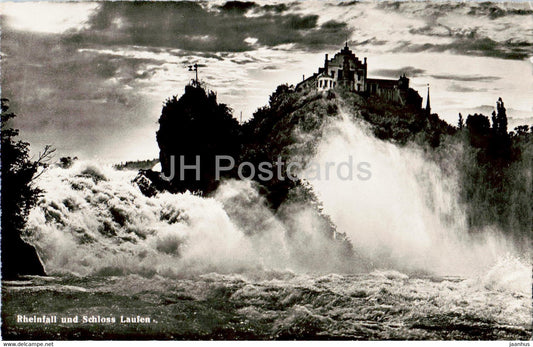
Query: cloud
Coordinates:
[372,42]
[441,30]
[192,26]
[333,24]
[466,78]
[348,3]
[72,98]
[277,8]
[409,71]
[510,49]
[491,10]
[466,28]
[237,6]
[455,87]
[242,7]
[494,11]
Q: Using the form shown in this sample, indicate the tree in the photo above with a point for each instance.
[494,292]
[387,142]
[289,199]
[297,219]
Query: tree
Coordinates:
[500,141]
[19,196]
[494,119]
[281,91]
[460,122]
[478,127]
[501,118]
[522,130]
[195,125]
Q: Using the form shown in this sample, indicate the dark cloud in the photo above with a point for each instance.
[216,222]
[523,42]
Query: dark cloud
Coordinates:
[333,24]
[348,3]
[278,8]
[237,6]
[191,26]
[435,9]
[409,71]
[373,41]
[394,5]
[242,7]
[510,49]
[440,30]
[430,10]
[243,61]
[445,7]
[494,11]
[466,78]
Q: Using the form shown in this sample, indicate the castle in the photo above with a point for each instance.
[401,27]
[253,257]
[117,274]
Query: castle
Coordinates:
[347,71]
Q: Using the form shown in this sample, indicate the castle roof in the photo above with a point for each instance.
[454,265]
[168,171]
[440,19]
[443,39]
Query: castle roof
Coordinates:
[344,52]
[383,82]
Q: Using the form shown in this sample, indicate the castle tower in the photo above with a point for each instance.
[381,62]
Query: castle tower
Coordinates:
[403,82]
[428,106]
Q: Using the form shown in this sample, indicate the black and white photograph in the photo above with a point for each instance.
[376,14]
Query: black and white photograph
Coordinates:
[309,170]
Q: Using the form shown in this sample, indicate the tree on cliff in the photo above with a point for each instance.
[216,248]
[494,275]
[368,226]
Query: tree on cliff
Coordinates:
[19,196]
[460,122]
[499,119]
[478,127]
[195,126]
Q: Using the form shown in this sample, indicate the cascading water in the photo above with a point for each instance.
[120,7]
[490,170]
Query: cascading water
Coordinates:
[228,267]
[94,220]
[406,216]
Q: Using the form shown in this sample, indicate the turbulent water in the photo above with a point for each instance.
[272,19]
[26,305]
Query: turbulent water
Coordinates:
[274,304]
[226,267]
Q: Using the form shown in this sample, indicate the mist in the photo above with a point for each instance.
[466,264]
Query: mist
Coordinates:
[407,216]
[93,220]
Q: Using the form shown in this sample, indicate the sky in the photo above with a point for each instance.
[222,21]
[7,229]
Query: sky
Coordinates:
[91,78]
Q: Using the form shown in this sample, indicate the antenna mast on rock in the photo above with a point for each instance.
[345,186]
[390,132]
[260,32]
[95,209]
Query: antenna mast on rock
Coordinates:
[428,106]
